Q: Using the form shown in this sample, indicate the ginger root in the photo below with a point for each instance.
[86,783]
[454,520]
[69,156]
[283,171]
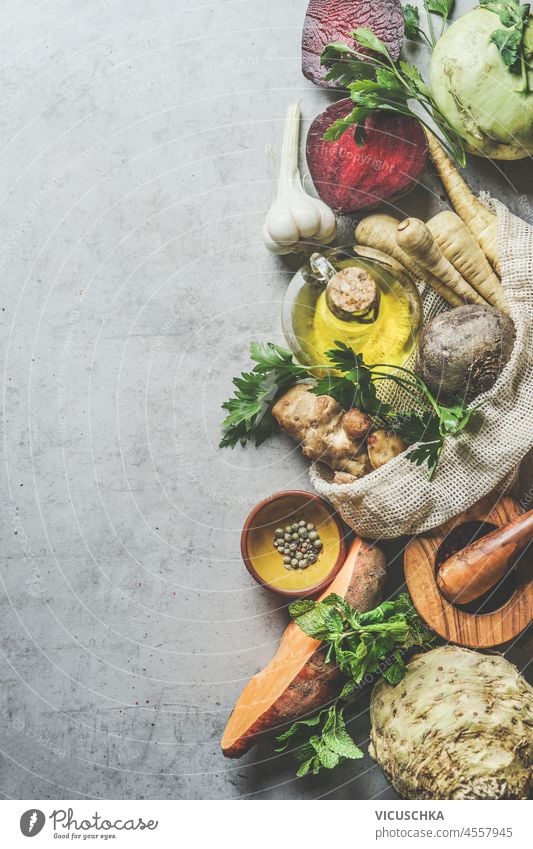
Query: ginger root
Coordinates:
[325,431]
[384,446]
[341,440]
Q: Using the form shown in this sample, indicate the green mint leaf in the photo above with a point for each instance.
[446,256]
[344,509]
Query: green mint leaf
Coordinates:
[310,764]
[315,621]
[395,672]
[295,728]
[328,758]
[336,737]
[411,22]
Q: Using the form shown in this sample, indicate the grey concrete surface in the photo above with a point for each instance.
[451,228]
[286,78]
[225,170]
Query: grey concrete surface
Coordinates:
[134,176]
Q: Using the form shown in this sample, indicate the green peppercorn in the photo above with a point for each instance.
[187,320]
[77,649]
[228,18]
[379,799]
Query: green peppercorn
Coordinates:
[294,562]
[313,535]
[317,544]
[310,526]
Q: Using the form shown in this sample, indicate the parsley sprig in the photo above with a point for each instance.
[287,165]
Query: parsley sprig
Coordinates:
[353,383]
[378,84]
[510,41]
[411,19]
[361,645]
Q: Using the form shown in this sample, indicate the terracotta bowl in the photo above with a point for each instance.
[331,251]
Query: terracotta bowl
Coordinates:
[265,564]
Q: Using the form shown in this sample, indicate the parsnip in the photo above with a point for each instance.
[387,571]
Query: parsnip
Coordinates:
[462,250]
[480,221]
[415,239]
[379,232]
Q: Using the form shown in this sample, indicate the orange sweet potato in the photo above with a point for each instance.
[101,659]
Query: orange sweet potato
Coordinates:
[297,681]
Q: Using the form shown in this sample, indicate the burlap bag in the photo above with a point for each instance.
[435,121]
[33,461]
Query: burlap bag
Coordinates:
[398,498]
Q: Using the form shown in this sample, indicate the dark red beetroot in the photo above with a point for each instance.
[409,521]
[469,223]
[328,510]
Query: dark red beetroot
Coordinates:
[334,20]
[348,177]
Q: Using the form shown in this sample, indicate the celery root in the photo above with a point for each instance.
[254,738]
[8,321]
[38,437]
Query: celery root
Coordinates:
[480,221]
[415,239]
[459,726]
[379,232]
[463,251]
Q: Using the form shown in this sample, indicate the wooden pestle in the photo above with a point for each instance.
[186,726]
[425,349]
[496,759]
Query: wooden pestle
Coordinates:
[470,573]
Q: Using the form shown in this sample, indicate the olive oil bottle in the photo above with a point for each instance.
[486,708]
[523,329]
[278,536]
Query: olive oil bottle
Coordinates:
[366,301]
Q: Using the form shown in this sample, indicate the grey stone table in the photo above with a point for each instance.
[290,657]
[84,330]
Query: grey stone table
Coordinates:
[135,174]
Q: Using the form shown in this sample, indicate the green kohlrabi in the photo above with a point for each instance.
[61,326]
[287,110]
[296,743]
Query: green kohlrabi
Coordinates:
[482,79]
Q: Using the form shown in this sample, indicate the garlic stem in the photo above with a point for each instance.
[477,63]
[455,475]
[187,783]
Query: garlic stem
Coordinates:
[290,145]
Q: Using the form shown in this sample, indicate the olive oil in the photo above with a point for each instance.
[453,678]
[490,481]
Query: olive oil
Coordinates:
[387,333]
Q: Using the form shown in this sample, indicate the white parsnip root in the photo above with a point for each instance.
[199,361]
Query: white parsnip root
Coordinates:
[379,232]
[416,240]
[462,250]
[480,221]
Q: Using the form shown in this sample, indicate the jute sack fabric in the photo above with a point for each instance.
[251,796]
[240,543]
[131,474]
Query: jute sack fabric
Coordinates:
[398,498]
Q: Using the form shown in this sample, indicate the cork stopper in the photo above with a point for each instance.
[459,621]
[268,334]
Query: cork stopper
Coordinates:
[352,295]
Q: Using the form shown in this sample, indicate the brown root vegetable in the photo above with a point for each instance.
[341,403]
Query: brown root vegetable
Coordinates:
[333,20]
[480,221]
[463,251]
[379,232]
[318,423]
[415,239]
[383,447]
[356,424]
[297,681]
[459,726]
[462,352]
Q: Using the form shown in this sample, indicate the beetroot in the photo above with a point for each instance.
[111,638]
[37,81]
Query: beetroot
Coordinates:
[348,177]
[333,20]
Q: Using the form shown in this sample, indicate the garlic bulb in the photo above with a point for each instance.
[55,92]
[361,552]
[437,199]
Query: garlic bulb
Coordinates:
[295,215]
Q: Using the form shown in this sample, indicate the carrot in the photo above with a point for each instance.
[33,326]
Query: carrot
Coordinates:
[379,232]
[480,221]
[415,239]
[461,249]
[297,680]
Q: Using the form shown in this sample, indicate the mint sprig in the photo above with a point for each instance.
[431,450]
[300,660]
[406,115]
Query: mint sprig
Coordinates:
[360,644]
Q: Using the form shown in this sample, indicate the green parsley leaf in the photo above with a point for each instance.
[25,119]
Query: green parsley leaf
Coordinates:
[411,22]
[440,7]
[509,43]
[366,38]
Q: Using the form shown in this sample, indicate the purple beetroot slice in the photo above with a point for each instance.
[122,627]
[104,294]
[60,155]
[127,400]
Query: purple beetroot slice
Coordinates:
[333,20]
[348,177]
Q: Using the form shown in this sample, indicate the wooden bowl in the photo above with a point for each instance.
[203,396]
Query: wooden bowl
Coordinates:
[454,623]
[265,564]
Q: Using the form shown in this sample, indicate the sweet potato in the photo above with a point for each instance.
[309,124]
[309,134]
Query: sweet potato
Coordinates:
[297,680]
